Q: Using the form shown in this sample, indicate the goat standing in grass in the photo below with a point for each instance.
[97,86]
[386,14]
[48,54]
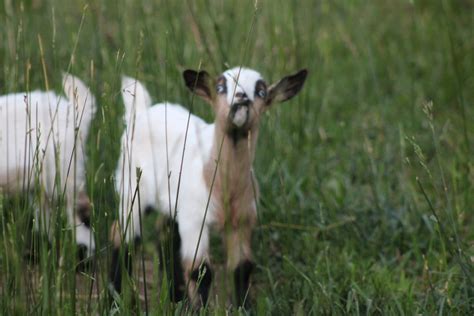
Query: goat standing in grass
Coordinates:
[42,138]
[199,175]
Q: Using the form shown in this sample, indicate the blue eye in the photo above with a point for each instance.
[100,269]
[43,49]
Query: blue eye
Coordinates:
[262,94]
[220,88]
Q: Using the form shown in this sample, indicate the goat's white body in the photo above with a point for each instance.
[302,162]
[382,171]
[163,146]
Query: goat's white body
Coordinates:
[29,137]
[145,146]
[39,145]
[179,159]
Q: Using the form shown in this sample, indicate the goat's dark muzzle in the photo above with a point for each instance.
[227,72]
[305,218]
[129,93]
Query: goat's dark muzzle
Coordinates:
[239,103]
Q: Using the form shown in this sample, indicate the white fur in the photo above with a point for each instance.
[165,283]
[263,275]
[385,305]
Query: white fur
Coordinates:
[153,142]
[178,157]
[146,150]
[241,80]
[135,95]
[37,130]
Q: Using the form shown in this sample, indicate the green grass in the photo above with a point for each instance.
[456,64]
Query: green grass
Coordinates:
[367,191]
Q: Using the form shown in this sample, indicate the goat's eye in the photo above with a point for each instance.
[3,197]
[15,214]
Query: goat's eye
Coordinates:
[262,93]
[220,88]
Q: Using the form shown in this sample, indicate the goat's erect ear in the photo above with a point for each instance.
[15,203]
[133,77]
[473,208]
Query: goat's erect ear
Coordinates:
[287,87]
[199,82]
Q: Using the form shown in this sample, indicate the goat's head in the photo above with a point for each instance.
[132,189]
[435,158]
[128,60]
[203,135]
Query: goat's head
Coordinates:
[239,96]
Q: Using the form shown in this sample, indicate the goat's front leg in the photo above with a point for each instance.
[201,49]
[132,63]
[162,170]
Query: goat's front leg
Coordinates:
[194,253]
[123,233]
[239,259]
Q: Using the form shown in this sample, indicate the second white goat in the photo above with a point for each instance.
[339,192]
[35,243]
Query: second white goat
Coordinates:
[42,138]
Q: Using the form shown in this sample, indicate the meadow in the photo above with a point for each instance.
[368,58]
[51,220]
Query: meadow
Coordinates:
[366,177]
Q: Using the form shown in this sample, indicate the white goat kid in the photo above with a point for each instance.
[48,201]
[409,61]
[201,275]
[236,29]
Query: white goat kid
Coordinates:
[42,138]
[185,167]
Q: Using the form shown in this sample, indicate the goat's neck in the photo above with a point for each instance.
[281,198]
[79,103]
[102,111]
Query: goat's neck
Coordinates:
[234,163]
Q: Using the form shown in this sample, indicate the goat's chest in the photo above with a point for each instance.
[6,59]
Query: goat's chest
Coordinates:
[232,209]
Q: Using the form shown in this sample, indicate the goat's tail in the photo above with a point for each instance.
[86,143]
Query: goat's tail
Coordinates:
[135,97]
[83,100]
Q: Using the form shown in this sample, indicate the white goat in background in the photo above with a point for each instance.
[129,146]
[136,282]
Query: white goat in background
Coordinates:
[212,184]
[42,137]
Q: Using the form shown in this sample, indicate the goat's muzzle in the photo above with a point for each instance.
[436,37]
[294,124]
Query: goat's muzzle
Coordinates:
[239,113]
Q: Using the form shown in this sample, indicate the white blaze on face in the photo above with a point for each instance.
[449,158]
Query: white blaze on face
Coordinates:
[246,83]
[241,80]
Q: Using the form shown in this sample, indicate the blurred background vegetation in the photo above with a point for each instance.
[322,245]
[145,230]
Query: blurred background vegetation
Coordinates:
[367,177]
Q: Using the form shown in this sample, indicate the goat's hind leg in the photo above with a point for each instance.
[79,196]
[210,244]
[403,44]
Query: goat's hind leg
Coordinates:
[170,258]
[195,258]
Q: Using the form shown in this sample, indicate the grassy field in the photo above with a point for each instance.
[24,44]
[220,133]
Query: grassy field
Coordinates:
[367,177]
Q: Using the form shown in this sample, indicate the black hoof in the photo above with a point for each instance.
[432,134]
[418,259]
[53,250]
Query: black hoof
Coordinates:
[242,283]
[203,278]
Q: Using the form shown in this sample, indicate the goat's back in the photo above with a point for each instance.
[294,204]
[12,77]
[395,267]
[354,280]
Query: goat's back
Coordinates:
[157,149]
[36,134]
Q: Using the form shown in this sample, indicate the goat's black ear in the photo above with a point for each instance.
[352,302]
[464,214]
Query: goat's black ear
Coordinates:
[198,82]
[287,87]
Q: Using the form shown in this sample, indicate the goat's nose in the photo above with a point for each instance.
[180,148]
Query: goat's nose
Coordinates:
[241,98]
[241,95]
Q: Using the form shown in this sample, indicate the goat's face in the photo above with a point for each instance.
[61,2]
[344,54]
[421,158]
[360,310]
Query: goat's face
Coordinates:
[239,96]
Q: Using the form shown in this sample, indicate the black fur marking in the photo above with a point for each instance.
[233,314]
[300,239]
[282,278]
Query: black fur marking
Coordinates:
[83,212]
[84,262]
[296,82]
[237,135]
[221,86]
[203,278]
[197,81]
[260,86]
[171,259]
[115,272]
[241,96]
[241,282]
[287,87]
[149,210]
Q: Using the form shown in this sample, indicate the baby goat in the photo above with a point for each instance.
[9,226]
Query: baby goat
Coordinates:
[42,138]
[199,175]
